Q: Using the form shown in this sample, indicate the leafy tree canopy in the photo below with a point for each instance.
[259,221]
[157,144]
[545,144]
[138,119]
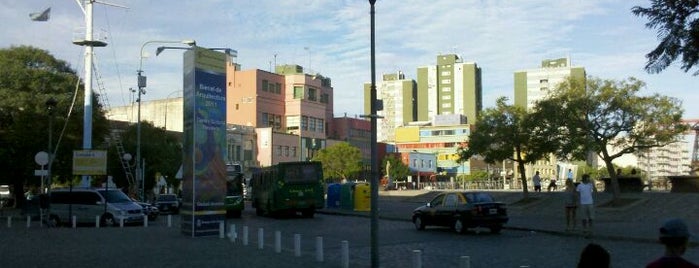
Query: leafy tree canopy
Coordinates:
[398,171]
[677,25]
[339,161]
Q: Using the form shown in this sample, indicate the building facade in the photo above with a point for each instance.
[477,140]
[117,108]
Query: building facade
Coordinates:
[450,87]
[398,96]
[532,85]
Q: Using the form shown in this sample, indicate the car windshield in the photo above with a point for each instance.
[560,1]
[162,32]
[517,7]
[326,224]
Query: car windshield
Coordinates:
[167,198]
[115,196]
[479,197]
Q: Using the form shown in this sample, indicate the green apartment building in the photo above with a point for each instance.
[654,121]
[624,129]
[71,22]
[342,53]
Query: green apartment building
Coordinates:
[450,87]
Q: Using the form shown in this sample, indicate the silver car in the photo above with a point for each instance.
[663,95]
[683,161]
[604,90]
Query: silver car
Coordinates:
[112,205]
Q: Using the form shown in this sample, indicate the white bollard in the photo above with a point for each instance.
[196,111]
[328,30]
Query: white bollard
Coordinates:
[221,230]
[297,245]
[75,221]
[344,247]
[145,220]
[9,221]
[231,233]
[260,238]
[465,262]
[169,221]
[121,223]
[29,221]
[417,258]
[319,248]
[97,221]
[245,235]
[278,241]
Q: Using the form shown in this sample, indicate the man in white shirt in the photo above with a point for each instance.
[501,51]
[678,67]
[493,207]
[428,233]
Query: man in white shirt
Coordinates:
[537,182]
[587,207]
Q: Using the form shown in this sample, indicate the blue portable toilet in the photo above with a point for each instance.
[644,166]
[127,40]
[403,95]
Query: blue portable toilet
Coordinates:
[333,200]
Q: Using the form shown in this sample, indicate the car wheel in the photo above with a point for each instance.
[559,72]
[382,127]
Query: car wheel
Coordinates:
[459,226]
[419,223]
[308,213]
[108,220]
[496,229]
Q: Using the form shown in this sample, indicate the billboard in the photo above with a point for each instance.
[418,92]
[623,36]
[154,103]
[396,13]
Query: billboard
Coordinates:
[89,162]
[204,148]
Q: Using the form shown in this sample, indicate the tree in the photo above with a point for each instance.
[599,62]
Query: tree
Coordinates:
[398,171]
[339,161]
[677,25]
[505,133]
[162,151]
[28,77]
[608,118]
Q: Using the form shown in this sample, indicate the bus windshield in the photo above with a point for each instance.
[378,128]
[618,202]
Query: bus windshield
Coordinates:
[234,180]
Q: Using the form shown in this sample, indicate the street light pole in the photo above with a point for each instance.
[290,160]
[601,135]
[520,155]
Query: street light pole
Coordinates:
[374,151]
[142,90]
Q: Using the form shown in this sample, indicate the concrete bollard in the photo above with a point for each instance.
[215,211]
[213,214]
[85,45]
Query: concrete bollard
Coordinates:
[297,245]
[231,233]
[145,220]
[121,223]
[9,221]
[29,221]
[169,221]
[465,262]
[260,238]
[278,241]
[245,235]
[97,221]
[221,230]
[75,221]
[417,258]
[319,248]
[344,248]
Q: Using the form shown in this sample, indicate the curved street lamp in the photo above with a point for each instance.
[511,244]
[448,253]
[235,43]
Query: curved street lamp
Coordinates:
[141,90]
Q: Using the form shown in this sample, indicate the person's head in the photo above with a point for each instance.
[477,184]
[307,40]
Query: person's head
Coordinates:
[586,178]
[594,256]
[674,233]
[537,173]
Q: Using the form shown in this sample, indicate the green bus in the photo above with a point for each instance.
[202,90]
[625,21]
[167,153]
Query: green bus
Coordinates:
[233,202]
[288,187]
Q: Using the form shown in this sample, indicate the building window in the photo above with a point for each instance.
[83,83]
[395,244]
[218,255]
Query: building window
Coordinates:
[279,150]
[446,81]
[278,88]
[304,123]
[446,89]
[298,92]
[264,120]
[324,98]
[311,124]
[446,73]
[286,150]
[312,94]
[415,163]
[446,97]
[320,125]
[293,151]
[265,85]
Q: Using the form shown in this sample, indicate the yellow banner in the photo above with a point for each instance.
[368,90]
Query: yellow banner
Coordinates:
[89,162]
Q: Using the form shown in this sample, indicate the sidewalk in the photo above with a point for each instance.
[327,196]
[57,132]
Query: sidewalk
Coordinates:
[637,220]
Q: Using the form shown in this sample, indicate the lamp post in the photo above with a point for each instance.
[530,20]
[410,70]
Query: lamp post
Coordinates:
[50,107]
[374,151]
[141,90]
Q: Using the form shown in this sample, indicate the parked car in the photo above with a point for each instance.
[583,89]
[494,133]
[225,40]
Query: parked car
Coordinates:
[462,210]
[149,209]
[5,192]
[112,205]
[168,203]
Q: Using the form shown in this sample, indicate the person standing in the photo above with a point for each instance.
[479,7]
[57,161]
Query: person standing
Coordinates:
[674,234]
[552,184]
[587,209]
[537,182]
[569,175]
[571,204]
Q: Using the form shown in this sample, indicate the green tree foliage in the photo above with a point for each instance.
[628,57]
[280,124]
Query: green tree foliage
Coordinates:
[28,78]
[161,149]
[398,171]
[339,161]
[606,114]
[505,133]
[677,25]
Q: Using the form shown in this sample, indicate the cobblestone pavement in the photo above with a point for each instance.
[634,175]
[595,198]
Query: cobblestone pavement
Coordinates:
[536,238]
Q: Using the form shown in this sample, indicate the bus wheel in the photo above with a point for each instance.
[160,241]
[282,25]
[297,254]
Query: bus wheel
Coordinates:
[308,213]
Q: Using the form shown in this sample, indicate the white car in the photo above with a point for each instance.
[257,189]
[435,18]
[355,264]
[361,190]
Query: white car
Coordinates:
[112,205]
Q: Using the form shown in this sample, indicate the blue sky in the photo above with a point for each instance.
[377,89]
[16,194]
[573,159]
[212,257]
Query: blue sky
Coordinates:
[331,37]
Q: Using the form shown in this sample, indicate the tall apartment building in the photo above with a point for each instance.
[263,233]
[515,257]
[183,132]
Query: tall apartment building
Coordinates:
[399,104]
[532,85]
[450,87]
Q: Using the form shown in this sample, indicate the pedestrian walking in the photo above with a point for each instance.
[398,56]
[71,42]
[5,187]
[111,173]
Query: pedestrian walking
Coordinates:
[569,175]
[587,209]
[537,182]
[571,204]
[674,234]
[594,256]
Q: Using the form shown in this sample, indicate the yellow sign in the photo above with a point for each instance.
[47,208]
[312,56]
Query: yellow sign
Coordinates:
[89,162]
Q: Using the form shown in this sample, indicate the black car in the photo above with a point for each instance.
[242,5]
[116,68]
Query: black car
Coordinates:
[150,210]
[168,203]
[462,210]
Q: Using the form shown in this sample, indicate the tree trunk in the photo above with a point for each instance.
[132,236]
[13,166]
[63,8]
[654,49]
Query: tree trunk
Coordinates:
[613,177]
[523,179]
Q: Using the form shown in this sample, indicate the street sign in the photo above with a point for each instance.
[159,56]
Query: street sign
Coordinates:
[41,172]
